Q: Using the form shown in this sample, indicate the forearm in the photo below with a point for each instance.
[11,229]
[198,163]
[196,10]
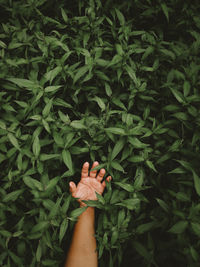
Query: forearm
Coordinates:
[83,246]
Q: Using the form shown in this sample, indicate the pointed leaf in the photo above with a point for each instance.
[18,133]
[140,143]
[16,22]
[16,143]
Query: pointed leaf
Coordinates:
[196,182]
[36,146]
[67,159]
[115,164]
[178,227]
[54,88]
[13,140]
[150,165]
[117,148]
[81,71]
[127,187]
[115,130]
[165,10]
[77,212]
[13,195]
[63,229]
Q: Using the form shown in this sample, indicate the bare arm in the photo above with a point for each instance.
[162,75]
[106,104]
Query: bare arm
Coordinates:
[83,246]
[82,251]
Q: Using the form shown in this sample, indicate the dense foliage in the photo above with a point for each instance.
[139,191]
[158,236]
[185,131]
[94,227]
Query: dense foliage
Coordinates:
[113,81]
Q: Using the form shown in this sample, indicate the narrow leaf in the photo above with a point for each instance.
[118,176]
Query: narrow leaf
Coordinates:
[196,182]
[66,156]
[13,140]
[117,148]
[63,229]
[178,227]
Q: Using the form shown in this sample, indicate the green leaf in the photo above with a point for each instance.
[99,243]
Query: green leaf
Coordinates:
[55,209]
[38,252]
[49,262]
[131,73]
[64,15]
[22,82]
[77,212]
[32,183]
[180,116]
[139,178]
[13,195]
[39,227]
[120,16]
[5,233]
[53,88]
[196,228]
[146,227]
[2,125]
[47,108]
[115,130]
[194,254]
[130,204]
[182,197]
[117,148]
[115,164]
[121,217]
[127,187]
[186,88]
[165,10]
[44,157]
[136,159]
[50,75]
[66,156]
[77,125]
[163,205]
[108,89]
[13,140]
[63,229]
[150,165]
[36,146]
[118,103]
[178,227]
[119,49]
[136,142]
[63,117]
[100,198]
[141,250]
[22,104]
[81,71]
[52,183]
[15,258]
[114,237]
[185,164]
[60,102]
[178,95]
[46,126]
[196,182]
[100,102]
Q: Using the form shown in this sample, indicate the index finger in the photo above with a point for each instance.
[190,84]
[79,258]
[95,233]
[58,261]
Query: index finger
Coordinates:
[84,173]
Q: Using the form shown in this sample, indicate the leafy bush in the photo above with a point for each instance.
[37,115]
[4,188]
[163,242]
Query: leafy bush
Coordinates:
[113,81]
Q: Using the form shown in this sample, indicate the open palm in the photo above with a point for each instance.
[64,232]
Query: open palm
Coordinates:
[89,184]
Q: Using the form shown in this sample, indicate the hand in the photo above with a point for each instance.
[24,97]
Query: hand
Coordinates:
[85,190]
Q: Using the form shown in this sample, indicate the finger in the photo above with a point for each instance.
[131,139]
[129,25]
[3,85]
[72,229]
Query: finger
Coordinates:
[108,180]
[84,173]
[101,175]
[94,173]
[72,187]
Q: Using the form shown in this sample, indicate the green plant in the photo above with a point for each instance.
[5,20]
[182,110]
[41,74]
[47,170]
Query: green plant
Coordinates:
[138,62]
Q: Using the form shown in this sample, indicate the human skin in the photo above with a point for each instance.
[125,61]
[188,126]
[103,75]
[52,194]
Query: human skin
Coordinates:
[82,251]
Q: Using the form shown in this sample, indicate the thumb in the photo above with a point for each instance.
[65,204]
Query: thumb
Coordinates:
[72,187]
